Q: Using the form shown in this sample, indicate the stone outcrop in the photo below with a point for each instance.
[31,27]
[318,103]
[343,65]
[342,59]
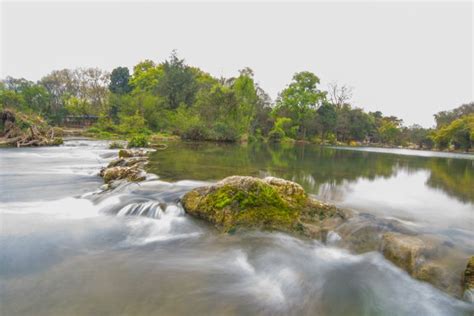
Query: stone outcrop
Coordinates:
[269,204]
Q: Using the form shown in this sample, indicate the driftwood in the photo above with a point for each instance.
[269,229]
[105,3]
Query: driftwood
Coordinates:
[13,135]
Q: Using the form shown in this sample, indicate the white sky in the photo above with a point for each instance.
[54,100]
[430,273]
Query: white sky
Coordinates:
[406,59]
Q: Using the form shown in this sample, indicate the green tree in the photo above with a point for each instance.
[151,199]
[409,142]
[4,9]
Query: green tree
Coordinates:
[459,133]
[328,118]
[178,83]
[300,98]
[445,118]
[246,94]
[119,81]
[389,132]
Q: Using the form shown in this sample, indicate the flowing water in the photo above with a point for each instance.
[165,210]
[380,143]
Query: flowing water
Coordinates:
[66,249]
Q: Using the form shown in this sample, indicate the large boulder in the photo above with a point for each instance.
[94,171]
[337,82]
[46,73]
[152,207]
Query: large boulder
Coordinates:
[248,202]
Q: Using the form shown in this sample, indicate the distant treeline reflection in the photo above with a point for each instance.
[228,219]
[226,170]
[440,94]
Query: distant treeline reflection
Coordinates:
[311,166]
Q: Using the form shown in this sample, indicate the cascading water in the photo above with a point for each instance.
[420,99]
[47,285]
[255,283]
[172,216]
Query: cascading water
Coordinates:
[149,209]
[133,251]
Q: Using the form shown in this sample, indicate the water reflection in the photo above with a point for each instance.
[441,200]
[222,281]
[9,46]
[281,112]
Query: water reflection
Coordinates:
[414,188]
[311,166]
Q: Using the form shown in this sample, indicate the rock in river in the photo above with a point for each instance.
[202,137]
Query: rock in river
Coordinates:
[118,173]
[469,281]
[269,204]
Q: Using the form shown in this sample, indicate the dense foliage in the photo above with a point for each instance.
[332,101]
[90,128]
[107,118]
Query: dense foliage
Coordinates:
[172,97]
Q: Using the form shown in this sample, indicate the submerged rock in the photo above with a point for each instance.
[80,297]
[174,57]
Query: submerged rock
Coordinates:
[424,258]
[249,202]
[404,251]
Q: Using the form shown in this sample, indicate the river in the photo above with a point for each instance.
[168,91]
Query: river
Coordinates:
[67,249]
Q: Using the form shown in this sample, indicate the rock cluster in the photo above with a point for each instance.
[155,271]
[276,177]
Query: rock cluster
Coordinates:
[128,166]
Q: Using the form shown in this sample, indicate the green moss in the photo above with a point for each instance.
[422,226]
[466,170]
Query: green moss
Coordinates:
[123,153]
[259,205]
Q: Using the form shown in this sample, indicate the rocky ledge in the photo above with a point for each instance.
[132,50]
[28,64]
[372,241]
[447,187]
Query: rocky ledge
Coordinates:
[242,203]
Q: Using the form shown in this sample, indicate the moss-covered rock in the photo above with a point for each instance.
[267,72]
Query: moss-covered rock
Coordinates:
[469,281]
[249,202]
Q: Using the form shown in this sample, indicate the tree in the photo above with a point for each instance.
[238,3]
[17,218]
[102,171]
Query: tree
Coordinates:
[418,135]
[327,116]
[178,84]
[246,94]
[459,133]
[444,118]
[301,97]
[339,95]
[119,81]
[389,132]
[12,99]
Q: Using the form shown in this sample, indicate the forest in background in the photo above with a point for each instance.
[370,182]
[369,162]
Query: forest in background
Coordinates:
[173,98]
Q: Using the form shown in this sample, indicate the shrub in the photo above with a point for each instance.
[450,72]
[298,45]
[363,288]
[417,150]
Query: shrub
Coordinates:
[331,138]
[116,145]
[93,130]
[105,135]
[276,135]
[224,132]
[195,132]
[139,140]
[316,140]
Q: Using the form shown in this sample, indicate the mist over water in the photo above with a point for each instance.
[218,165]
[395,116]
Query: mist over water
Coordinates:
[65,249]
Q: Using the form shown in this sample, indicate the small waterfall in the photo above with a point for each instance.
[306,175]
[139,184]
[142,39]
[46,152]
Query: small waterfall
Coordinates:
[149,209]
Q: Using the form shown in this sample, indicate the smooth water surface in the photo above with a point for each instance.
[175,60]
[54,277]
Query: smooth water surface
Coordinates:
[66,249]
[435,191]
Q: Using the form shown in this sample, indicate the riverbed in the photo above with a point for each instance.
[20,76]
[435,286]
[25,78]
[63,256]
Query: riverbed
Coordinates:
[69,249]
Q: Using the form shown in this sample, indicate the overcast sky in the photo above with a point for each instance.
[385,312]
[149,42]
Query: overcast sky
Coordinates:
[405,59]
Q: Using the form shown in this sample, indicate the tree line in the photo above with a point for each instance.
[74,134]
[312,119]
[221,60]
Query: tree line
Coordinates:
[172,97]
